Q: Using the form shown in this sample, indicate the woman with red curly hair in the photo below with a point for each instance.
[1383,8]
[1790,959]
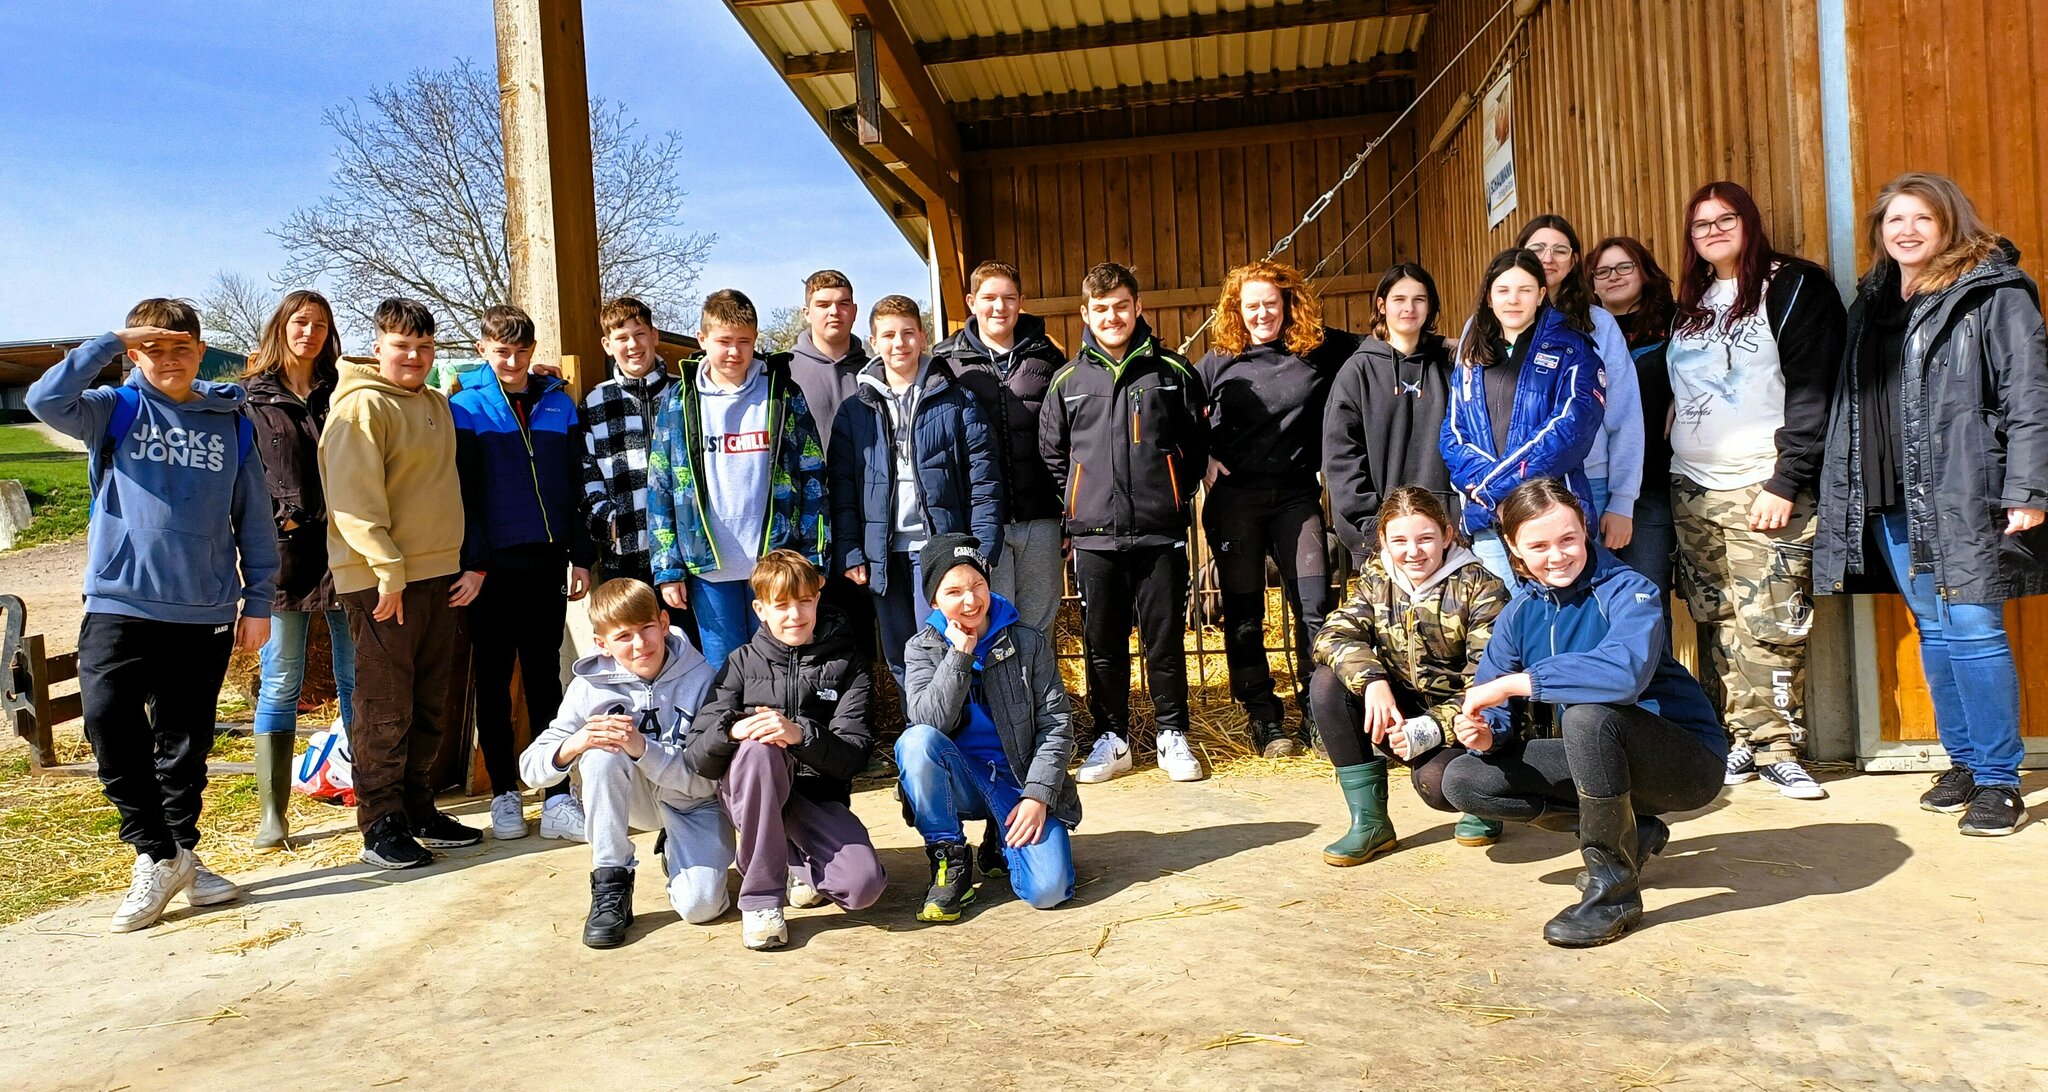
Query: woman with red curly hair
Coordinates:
[1268,374]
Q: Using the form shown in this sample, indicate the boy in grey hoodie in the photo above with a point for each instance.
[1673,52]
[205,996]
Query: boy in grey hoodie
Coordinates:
[622,722]
[181,564]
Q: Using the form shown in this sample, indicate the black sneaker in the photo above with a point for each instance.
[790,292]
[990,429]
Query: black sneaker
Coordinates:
[389,844]
[952,882]
[1951,791]
[1270,739]
[989,858]
[443,832]
[1995,811]
[611,907]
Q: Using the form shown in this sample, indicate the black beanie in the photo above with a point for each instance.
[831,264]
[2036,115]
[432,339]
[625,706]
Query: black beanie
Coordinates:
[942,552]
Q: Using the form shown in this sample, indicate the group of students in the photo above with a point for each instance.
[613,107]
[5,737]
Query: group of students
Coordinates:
[1519,500]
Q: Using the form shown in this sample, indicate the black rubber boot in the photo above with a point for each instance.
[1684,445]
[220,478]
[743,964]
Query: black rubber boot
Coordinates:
[1557,817]
[1371,833]
[1613,902]
[273,788]
[611,907]
[952,881]
[1652,835]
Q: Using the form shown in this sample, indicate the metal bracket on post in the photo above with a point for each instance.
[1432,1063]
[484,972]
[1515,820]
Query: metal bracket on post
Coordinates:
[867,83]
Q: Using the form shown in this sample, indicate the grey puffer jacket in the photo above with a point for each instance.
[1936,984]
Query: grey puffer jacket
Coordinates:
[1974,417]
[1020,682]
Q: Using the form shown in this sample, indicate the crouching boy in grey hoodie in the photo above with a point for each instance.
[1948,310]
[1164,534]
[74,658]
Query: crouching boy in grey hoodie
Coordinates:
[623,720]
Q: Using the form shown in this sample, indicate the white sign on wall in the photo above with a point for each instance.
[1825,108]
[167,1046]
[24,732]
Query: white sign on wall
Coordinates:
[1498,143]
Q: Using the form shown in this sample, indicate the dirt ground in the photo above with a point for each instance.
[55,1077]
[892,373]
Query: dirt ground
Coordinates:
[47,580]
[1856,943]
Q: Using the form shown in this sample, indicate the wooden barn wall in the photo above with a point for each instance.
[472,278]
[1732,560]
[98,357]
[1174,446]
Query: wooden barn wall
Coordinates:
[1622,108]
[1969,100]
[1182,216]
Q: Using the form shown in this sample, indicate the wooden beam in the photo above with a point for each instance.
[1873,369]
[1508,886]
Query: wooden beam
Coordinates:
[1084,151]
[1110,35]
[550,195]
[1205,296]
[864,159]
[1385,66]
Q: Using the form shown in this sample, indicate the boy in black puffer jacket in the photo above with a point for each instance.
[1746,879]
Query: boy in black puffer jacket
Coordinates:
[787,726]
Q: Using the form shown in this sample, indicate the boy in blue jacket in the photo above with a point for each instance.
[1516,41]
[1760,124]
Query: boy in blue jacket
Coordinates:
[736,470]
[182,561]
[519,451]
[912,456]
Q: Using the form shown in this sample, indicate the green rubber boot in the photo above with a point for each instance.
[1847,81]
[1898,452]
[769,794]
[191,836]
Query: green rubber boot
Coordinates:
[1474,831]
[273,787]
[1371,834]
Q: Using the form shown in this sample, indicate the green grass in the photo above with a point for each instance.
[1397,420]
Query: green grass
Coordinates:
[58,492]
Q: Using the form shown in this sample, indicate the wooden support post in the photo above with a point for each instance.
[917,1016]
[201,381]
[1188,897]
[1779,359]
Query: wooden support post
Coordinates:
[550,194]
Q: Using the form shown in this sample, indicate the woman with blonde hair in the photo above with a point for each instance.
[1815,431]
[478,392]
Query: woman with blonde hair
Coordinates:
[1268,374]
[1935,475]
[290,378]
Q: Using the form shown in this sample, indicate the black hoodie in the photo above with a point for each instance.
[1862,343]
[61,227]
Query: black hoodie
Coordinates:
[824,686]
[1266,410]
[1384,429]
[1130,442]
[1011,394]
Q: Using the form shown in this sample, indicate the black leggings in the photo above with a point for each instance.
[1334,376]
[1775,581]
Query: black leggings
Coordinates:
[1340,718]
[1607,750]
[1243,525]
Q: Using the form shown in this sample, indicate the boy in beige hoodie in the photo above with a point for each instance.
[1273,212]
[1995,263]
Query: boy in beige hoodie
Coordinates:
[394,542]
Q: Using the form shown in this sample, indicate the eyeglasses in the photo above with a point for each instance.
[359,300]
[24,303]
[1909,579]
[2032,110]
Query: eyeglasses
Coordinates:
[1615,272]
[1719,226]
[1558,250]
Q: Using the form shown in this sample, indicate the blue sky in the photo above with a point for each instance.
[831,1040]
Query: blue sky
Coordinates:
[140,155]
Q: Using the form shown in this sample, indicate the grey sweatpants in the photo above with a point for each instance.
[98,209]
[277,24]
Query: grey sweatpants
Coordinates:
[618,799]
[1030,574]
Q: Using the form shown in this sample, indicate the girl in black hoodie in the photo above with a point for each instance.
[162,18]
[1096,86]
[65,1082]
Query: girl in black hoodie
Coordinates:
[1268,378]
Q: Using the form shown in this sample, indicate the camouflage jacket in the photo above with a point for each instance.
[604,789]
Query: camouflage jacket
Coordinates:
[1429,646]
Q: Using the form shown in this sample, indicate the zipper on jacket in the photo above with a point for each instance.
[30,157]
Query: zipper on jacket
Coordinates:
[693,435]
[774,452]
[533,473]
[1073,490]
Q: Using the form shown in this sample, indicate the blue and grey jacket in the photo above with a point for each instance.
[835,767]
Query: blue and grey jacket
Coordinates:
[181,525]
[1604,640]
[521,482]
[1560,406]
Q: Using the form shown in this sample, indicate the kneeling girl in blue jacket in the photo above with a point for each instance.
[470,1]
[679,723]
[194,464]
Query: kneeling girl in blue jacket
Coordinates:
[1587,634]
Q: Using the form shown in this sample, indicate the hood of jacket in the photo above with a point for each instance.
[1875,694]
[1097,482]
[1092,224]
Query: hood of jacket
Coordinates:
[1456,559]
[685,671]
[1030,336]
[1141,343]
[832,637]
[808,350]
[366,377]
[1002,614]
[931,376]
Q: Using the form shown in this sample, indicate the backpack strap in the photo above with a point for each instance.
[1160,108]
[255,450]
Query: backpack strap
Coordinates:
[127,405]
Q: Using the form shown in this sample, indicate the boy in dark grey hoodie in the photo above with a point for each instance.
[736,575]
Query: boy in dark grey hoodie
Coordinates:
[181,564]
[622,723]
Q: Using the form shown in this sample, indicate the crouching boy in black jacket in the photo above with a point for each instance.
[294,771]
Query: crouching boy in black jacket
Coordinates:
[787,726]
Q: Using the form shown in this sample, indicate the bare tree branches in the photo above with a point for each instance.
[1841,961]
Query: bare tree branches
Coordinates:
[418,205]
[232,312]
[779,333]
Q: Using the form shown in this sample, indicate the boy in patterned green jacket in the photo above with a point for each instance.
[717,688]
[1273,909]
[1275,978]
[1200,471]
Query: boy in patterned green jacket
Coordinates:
[735,470]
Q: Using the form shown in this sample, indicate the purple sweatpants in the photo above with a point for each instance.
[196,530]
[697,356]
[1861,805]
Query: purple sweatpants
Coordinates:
[780,832]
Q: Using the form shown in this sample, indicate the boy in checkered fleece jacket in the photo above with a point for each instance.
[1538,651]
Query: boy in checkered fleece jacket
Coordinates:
[619,414]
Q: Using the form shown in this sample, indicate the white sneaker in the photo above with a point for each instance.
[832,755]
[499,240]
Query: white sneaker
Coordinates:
[209,888]
[1741,765]
[761,930]
[151,885]
[1177,760]
[562,817]
[803,896]
[1793,781]
[1110,757]
[508,817]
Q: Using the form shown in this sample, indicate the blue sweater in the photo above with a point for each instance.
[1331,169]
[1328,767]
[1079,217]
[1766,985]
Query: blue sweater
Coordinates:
[181,528]
[1603,639]
[520,486]
[1560,406]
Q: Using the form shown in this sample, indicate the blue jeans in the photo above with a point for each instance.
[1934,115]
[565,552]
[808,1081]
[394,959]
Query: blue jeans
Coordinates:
[725,617]
[1963,650]
[942,787]
[283,662]
[1649,550]
[1493,553]
[902,610]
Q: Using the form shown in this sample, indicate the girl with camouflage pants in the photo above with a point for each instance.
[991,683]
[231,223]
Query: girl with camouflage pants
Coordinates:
[1751,357]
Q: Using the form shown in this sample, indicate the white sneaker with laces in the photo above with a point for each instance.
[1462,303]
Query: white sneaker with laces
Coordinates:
[1793,782]
[562,817]
[1741,765]
[803,896]
[151,886]
[761,930]
[1177,759]
[508,817]
[209,888]
[1109,758]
